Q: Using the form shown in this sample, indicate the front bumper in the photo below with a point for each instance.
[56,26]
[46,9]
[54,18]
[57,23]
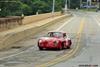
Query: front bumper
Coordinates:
[49,45]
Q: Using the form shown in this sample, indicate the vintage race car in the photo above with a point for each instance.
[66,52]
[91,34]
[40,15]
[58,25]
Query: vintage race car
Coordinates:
[56,40]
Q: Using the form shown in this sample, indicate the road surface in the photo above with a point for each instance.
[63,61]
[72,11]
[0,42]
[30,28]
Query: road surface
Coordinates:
[84,30]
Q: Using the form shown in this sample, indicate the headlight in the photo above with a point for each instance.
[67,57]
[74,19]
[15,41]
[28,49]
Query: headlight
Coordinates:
[56,42]
[40,41]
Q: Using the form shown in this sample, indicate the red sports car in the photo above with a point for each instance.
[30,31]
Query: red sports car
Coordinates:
[57,40]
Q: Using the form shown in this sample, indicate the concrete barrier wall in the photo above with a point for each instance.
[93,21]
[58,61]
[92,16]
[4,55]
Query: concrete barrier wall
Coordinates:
[27,19]
[34,18]
[7,40]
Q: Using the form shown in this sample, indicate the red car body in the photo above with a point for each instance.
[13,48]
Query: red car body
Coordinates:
[57,40]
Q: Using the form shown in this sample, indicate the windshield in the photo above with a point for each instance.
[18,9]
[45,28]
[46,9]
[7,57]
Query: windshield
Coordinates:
[55,34]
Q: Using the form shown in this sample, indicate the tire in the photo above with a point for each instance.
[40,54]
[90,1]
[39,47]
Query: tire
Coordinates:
[70,42]
[62,46]
[40,48]
[68,47]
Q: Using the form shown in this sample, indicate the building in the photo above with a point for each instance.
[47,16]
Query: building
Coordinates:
[88,4]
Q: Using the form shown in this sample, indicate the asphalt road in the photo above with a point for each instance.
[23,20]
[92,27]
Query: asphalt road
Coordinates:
[82,28]
[88,55]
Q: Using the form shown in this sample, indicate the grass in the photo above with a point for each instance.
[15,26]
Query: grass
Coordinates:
[88,9]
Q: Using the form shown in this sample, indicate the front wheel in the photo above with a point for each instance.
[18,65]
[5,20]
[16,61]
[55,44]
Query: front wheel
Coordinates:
[40,48]
[62,46]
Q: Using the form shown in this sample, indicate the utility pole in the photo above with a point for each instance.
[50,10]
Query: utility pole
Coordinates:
[0,9]
[88,3]
[98,3]
[53,7]
[66,6]
[80,3]
[69,3]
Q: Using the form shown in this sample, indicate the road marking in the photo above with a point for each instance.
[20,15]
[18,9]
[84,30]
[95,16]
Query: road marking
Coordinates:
[65,24]
[33,47]
[91,26]
[95,18]
[66,56]
[16,54]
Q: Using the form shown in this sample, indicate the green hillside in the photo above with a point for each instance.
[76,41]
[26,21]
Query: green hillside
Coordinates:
[30,7]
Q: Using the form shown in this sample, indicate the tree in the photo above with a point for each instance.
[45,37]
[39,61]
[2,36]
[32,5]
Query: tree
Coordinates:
[28,7]
[26,10]
[74,4]
[9,7]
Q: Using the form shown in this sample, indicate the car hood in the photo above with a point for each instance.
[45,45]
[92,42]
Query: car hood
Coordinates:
[50,39]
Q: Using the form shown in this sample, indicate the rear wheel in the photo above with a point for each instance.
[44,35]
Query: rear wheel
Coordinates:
[70,42]
[68,47]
